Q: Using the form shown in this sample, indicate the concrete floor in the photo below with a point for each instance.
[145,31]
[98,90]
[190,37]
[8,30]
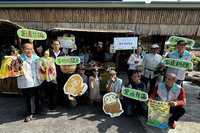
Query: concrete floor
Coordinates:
[91,119]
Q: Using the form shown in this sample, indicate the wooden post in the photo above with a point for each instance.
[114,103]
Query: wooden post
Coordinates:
[163,45]
[117,59]
[20,44]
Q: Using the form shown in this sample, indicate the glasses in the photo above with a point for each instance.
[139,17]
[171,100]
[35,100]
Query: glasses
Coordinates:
[170,79]
[96,71]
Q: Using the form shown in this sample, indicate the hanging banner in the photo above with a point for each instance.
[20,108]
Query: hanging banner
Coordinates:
[112,105]
[175,39]
[68,60]
[158,114]
[175,63]
[125,43]
[31,34]
[135,94]
[75,86]
[67,42]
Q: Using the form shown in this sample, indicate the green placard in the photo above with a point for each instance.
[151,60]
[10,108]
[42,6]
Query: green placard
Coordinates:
[135,94]
[175,39]
[31,34]
[68,60]
[180,64]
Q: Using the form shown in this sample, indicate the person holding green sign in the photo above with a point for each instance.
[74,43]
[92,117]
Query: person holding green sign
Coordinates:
[141,107]
[181,54]
[173,93]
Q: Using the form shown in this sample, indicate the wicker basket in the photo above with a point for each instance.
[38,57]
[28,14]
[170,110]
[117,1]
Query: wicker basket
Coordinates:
[68,69]
[139,67]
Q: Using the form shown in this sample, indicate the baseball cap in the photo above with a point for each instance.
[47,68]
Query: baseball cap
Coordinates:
[81,67]
[154,46]
[182,41]
[112,72]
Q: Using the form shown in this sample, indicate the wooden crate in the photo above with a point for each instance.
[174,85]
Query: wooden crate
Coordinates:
[9,85]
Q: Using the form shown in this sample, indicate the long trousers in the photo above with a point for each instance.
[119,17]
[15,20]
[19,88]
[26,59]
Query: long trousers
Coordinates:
[152,83]
[33,100]
[177,112]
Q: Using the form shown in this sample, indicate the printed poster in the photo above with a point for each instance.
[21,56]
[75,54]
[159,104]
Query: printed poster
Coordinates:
[158,114]
[67,42]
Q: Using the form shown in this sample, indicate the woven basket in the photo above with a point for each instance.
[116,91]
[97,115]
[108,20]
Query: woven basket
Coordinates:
[139,67]
[68,69]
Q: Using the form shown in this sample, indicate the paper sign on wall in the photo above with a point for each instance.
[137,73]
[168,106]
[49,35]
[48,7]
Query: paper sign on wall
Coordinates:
[75,86]
[31,34]
[68,60]
[112,105]
[135,94]
[175,39]
[125,43]
[175,63]
[67,42]
[158,114]
[112,48]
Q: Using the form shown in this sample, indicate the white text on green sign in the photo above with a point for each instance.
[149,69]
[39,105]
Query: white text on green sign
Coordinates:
[68,60]
[180,64]
[135,94]
[31,34]
[175,39]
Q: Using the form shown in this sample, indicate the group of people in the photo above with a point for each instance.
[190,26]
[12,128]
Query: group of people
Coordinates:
[32,86]
[98,55]
[169,91]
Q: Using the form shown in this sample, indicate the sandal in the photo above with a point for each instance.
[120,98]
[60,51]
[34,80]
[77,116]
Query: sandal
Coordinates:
[198,97]
[28,118]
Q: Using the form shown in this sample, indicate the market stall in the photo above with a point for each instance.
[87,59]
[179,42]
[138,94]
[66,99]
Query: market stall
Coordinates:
[8,37]
[90,45]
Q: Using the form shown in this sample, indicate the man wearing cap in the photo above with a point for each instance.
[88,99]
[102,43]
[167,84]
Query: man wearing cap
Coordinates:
[82,98]
[181,54]
[151,62]
[81,72]
[114,84]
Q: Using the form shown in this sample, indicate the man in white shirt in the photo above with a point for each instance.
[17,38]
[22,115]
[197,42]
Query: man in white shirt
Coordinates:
[29,82]
[151,63]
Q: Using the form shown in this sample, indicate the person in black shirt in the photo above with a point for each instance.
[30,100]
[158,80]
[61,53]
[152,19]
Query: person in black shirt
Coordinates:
[132,104]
